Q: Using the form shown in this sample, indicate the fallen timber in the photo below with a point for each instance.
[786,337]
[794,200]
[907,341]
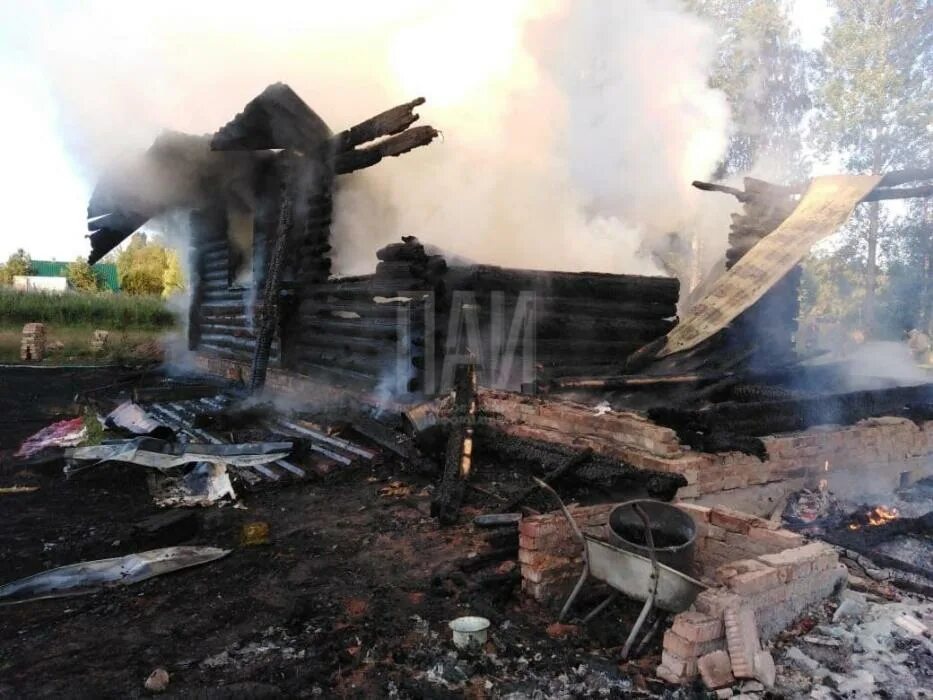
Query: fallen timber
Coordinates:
[791,415]
[611,477]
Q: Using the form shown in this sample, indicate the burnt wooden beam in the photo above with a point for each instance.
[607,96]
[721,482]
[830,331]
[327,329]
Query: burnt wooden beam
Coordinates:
[458,461]
[388,123]
[550,479]
[599,471]
[879,194]
[359,158]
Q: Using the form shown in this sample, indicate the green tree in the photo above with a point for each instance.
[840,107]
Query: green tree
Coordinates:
[83,277]
[18,264]
[874,104]
[173,279]
[763,71]
[141,265]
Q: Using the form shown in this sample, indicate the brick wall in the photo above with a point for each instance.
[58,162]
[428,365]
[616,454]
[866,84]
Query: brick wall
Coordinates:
[880,449]
[747,562]
[749,565]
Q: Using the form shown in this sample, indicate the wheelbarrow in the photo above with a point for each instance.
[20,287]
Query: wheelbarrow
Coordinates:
[632,575]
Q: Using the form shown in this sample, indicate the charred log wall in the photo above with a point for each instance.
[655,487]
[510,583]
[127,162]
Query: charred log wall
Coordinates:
[368,329]
[222,314]
[585,323]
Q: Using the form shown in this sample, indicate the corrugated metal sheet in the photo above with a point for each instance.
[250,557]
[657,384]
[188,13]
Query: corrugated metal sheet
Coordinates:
[107,272]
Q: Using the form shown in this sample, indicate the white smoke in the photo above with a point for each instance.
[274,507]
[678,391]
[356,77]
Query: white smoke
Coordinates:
[571,130]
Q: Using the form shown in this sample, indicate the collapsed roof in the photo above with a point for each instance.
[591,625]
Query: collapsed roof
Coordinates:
[181,170]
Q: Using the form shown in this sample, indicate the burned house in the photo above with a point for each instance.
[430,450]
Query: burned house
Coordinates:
[589,381]
[260,191]
[713,396]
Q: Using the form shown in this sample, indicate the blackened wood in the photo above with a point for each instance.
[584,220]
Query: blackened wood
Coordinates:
[600,471]
[592,285]
[359,158]
[551,478]
[770,417]
[269,308]
[629,309]
[392,121]
[349,343]
[877,195]
[458,460]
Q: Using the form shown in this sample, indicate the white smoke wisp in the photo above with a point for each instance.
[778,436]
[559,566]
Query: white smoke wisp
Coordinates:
[575,152]
[571,129]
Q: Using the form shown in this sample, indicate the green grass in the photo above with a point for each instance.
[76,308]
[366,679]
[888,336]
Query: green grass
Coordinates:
[72,344]
[102,310]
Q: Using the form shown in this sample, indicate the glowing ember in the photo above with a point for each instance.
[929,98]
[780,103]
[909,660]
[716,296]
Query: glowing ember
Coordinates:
[880,515]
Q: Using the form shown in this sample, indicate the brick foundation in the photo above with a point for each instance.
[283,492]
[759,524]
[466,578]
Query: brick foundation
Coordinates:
[873,453]
[747,563]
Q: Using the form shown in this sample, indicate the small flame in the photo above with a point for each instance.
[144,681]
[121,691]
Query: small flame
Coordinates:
[853,526]
[880,515]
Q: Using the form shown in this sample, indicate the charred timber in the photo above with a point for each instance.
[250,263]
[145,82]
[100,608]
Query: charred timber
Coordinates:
[350,343]
[568,467]
[459,458]
[356,159]
[621,309]
[484,278]
[603,473]
[388,123]
[886,189]
[367,286]
[769,417]
[368,365]
[365,309]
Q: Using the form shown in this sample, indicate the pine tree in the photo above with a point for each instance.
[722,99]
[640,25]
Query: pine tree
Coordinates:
[763,71]
[874,102]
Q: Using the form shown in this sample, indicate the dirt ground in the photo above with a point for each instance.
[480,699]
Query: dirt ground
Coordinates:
[350,598]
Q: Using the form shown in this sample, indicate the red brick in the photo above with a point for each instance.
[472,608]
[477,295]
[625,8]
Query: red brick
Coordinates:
[666,674]
[679,646]
[742,639]
[696,627]
[753,582]
[698,513]
[729,571]
[731,520]
[714,601]
[776,539]
[716,670]
[680,667]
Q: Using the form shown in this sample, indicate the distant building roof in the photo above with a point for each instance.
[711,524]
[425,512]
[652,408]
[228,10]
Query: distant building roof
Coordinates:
[106,272]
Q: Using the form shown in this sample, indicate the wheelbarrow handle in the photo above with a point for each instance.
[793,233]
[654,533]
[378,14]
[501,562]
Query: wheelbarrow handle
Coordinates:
[579,535]
[573,523]
[655,577]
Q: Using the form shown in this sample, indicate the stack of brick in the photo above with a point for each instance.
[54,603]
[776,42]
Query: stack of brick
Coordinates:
[32,348]
[551,558]
[752,567]
[100,340]
[774,585]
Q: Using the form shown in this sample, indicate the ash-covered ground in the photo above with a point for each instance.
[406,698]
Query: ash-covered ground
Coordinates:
[351,596]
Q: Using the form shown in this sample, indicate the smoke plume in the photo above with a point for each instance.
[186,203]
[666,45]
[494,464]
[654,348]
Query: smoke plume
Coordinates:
[571,130]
